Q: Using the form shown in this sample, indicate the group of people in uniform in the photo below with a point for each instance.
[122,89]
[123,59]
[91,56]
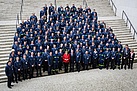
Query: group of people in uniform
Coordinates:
[66,38]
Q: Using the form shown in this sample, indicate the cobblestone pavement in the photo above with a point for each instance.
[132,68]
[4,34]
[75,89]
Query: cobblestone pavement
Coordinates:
[92,80]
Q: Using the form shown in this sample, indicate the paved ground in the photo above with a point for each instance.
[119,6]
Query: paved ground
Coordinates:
[92,80]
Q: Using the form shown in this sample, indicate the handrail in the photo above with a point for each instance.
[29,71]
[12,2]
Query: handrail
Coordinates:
[85,3]
[21,9]
[19,15]
[113,6]
[130,24]
[17,20]
[55,2]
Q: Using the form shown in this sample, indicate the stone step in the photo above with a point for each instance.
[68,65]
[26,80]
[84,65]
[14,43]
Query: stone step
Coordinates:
[3,63]
[4,55]
[6,37]
[5,49]
[128,40]
[5,46]
[3,78]
[135,44]
[4,52]
[2,69]
[119,31]
[4,59]
[2,66]
[6,43]
[9,40]
[123,35]
[7,34]
[3,32]
[2,73]
[131,42]
[122,38]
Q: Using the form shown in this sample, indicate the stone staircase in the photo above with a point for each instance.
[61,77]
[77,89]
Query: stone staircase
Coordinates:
[121,31]
[7,28]
[7,31]
[9,9]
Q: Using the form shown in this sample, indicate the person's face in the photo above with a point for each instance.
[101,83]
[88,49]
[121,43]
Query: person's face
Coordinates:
[9,63]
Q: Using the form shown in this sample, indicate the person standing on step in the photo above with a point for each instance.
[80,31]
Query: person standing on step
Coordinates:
[32,61]
[55,62]
[107,55]
[25,66]
[131,60]
[9,73]
[17,67]
[66,60]
[72,60]
[126,55]
[101,59]
[113,58]
[78,60]
[86,60]
[118,58]
[50,63]
[95,58]
[38,64]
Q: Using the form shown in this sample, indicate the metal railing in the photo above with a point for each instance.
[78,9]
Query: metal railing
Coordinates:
[21,9]
[55,2]
[113,6]
[19,15]
[128,22]
[85,3]
[17,20]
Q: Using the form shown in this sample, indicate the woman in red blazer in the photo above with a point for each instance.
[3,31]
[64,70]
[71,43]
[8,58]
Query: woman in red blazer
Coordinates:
[66,60]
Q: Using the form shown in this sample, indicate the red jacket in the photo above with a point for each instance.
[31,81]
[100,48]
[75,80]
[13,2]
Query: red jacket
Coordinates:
[66,58]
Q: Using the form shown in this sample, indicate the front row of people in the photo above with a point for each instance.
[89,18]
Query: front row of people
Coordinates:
[53,62]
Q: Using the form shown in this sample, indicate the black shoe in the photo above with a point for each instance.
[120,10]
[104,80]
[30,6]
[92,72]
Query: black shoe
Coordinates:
[16,82]
[12,85]
[20,80]
[9,87]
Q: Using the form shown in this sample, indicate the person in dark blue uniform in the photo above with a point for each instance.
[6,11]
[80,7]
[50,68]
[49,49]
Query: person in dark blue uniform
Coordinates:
[17,68]
[42,12]
[25,67]
[131,60]
[9,73]
[72,60]
[101,59]
[86,60]
[113,59]
[118,58]
[78,60]
[95,58]
[55,62]
[51,9]
[126,55]
[32,61]
[50,63]
[45,61]
[60,59]
[45,9]
[38,64]
[107,55]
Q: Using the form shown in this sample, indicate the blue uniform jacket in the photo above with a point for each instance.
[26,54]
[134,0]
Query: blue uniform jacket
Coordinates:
[17,65]
[8,70]
[38,60]
[86,58]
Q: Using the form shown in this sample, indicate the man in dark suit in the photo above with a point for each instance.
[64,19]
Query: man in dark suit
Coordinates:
[131,60]
[9,73]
